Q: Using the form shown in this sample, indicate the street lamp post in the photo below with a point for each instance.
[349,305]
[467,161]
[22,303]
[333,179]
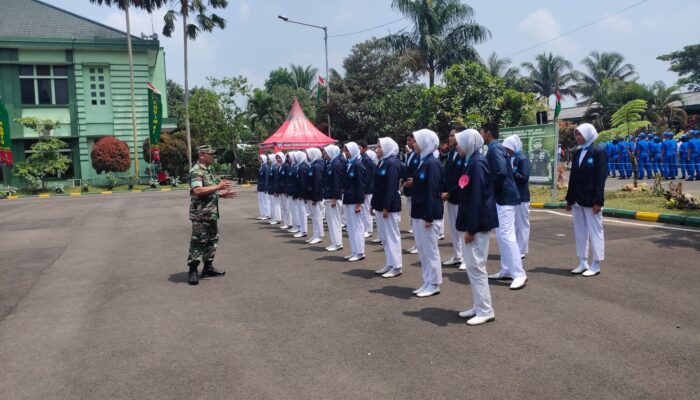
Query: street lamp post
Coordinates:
[328,78]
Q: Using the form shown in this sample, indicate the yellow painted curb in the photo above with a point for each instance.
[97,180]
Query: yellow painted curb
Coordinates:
[44,195]
[107,192]
[246,184]
[536,205]
[75,194]
[164,190]
[136,191]
[12,197]
[647,216]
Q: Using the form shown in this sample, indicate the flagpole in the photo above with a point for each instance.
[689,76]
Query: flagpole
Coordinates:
[557,109]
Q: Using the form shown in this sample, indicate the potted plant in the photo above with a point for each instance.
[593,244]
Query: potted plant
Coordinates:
[133,181]
[112,180]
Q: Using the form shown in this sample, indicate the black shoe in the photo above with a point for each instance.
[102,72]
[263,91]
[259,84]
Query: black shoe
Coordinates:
[193,277]
[211,271]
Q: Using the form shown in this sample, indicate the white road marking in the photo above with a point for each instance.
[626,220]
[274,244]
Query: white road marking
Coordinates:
[618,221]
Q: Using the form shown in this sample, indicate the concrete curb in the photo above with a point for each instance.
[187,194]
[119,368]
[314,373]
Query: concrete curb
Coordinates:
[638,215]
[103,193]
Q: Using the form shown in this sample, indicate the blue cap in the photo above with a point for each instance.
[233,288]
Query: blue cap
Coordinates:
[642,135]
[684,137]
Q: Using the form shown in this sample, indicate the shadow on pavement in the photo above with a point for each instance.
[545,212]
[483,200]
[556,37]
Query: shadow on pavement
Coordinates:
[676,239]
[494,257]
[361,273]
[437,316]
[403,293]
[552,271]
[457,277]
[178,277]
[332,258]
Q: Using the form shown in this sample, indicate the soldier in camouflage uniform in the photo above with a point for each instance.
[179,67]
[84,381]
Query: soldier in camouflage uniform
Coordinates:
[205,190]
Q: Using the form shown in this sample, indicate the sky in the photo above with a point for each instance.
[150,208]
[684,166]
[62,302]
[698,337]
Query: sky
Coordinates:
[255,41]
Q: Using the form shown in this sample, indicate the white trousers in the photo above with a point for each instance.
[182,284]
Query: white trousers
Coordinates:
[367,218]
[276,206]
[476,254]
[456,236]
[316,219]
[356,229]
[588,227]
[263,204]
[301,217]
[335,231]
[388,228]
[427,244]
[522,227]
[286,209]
[511,264]
[440,225]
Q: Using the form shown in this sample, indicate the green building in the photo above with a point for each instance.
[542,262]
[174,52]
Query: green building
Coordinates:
[58,65]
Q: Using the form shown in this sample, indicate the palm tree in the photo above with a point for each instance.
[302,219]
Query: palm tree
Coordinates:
[148,5]
[203,21]
[549,75]
[501,67]
[663,105]
[262,107]
[444,33]
[303,77]
[601,67]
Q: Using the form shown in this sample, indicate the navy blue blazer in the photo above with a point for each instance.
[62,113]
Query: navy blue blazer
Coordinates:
[454,167]
[292,187]
[333,179]
[301,181]
[262,177]
[502,175]
[354,183]
[369,173]
[426,203]
[281,182]
[412,161]
[386,186]
[477,202]
[587,181]
[314,181]
[271,179]
[521,175]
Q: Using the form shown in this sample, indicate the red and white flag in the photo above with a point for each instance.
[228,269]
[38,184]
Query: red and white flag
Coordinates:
[321,81]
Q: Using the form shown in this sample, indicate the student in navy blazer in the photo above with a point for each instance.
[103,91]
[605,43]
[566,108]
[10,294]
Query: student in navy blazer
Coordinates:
[333,195]
[507,199]
[386,205]
[314,188]
[302,168]
[263,200]
[521,175]
[353,198]
[292,191]
[412,161]
[454,167]
[370,167]
[426,209]
[283,177]
[585,199]
[476,217]
[272,178]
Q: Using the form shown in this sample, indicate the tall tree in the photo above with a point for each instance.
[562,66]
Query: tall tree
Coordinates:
[263,112]
[686,63]
[502,68]
[148,5]
[549,74]
[600,67]
[280,76]
[202,21]
[444,33]
[304,78]
[664,105]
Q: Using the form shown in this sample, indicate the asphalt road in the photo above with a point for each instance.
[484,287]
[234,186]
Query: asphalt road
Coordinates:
[94,305]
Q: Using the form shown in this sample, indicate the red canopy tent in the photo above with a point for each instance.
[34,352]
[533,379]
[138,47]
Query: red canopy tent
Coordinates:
[296,133]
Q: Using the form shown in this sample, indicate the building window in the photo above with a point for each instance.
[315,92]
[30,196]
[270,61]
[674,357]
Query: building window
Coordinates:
[43,84]
[98,91]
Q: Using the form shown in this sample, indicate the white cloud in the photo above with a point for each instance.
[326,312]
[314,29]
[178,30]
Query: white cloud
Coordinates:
[244,10]
[541,26]
[618,24]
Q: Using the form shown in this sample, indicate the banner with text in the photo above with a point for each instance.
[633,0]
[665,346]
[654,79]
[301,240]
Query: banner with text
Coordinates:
[540,147]
[155,115]
[5,142]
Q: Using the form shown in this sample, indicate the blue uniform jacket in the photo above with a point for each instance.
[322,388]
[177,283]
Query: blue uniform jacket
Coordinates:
[281,182]
[262,177]
[454,167]
[587,181]
[477,202]
[693,146]
[292,187]
[333,179]
[683,149]
[369,173]
[427,188]
[386,186]
[610,149]
[669,147]
[655,150]
[314,181]
[412,161]
[642,148]
[271,179]
[502,175]
[354,183]
[302,193]
[521,175]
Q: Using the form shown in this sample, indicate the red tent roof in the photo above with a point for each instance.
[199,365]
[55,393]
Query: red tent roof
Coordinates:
[296,133]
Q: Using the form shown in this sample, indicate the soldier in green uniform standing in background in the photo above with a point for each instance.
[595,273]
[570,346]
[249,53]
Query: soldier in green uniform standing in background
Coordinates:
[205,190]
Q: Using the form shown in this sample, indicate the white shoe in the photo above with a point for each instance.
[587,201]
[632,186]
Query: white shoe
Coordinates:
[441,237]
[452,261]
[285,227]
[293,230]
[500,275]
[367,234]
[431,290]
[384,270]
[420,289]
[393,273]
[274,223]
[260,218]
[462,267]
[480,320]
[582,267]
[470,313]
[593,270]
[349,256]
[518,283]
[333,248]
[264,218]
[522,257]
[356,258]
[377,240]
[308,240]
[299,235]
[410,231]
[412,250]
[316,240]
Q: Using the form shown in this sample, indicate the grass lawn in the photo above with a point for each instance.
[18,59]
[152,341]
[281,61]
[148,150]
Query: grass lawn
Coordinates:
[634,201]
[94,189]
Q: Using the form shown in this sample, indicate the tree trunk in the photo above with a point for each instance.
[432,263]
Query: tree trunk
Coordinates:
[133,95]
[431,77]
[187,95]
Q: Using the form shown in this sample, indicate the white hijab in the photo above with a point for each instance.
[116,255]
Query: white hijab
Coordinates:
[314,154]
[514,143]
[427,141]
[389,147]
[589,133]
[372,156]
[333,151]
[263,158]
[353,149]
[299,156]
[469,141]
[281,156]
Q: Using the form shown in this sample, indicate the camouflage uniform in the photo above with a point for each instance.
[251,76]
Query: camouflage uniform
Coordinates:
[204,213]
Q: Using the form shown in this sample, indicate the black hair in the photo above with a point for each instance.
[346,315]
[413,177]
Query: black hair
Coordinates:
[458,128]
[362,143]
[491,128]
[410,135]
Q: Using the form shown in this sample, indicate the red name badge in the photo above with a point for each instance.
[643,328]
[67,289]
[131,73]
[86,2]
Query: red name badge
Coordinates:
[463,181]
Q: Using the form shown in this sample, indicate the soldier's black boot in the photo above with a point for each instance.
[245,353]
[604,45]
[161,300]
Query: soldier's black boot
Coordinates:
[192,276]
[209,270]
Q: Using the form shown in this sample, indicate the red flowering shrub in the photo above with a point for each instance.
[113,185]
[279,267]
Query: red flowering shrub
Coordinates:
[110,154]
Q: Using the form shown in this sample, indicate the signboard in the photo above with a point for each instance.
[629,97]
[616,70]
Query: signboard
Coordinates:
[155,115]
[540,147]
[5,142]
